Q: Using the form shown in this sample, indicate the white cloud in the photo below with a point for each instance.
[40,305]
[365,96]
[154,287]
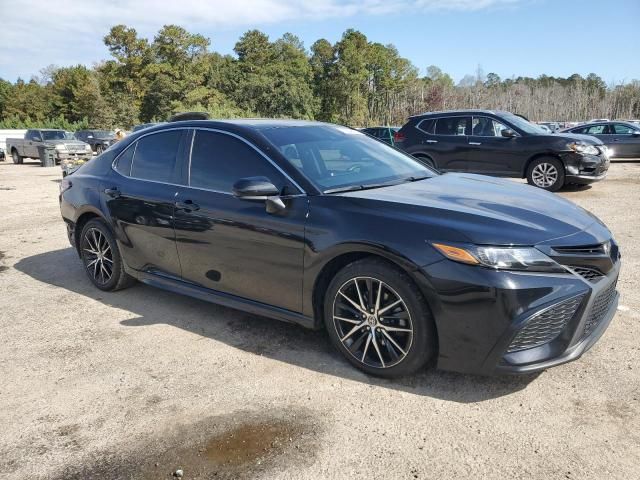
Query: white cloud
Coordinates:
[38,33]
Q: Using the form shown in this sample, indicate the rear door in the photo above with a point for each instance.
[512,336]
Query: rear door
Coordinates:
[492,154]
[625,142]
[140,200]
[448,144]
[231,245]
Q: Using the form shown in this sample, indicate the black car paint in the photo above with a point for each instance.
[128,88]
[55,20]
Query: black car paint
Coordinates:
[92,138]
[230,251]
[499,156]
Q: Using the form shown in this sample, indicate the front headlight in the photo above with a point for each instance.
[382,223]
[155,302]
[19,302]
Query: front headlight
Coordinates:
[583,148]
[61,147]
[500,258]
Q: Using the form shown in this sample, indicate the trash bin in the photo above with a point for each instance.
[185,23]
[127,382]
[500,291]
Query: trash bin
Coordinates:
[47,156]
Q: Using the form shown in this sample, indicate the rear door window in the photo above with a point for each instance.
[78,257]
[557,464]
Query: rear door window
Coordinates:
[621,129]
[453,126]
[155,156]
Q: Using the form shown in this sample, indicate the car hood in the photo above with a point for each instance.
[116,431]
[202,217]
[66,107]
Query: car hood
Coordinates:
[577,137]
[486,210]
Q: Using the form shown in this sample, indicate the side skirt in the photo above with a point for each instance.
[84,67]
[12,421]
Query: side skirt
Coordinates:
[220,298]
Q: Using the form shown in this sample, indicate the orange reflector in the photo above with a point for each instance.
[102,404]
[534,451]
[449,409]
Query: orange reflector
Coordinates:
[455,253]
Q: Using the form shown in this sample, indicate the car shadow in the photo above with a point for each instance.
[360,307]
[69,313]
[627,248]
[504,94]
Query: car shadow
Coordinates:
[260,336]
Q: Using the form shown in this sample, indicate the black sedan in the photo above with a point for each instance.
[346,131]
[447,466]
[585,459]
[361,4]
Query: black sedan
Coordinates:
[621,138]
[99,140]
[323,226]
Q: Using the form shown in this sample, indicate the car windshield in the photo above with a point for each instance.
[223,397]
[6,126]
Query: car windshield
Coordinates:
[523,124]
[338,158]
[56,135]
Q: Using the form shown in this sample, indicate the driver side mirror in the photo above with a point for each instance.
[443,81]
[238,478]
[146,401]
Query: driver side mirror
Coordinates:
[260,189]
[508,133]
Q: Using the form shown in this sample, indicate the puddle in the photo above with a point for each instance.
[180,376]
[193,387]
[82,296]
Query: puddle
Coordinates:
[228,447]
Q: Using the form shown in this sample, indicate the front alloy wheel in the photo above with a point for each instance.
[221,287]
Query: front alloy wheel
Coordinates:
[377,317]
[544,175]
[372,322]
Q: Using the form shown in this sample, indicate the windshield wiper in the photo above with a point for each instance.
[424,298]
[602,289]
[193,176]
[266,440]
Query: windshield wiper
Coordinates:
[368,186]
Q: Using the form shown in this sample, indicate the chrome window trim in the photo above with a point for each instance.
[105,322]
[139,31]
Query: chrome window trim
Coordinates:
[135,146]
[434,125]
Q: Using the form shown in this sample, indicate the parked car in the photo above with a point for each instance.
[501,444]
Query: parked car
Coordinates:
[502,144]
[551,126]
[545,128]
[621,138]
[595,120]
[383,133]
[99,140]
[67,148]
[325,227]
[2,155]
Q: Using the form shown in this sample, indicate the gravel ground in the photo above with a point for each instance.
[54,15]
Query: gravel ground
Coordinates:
[141,383]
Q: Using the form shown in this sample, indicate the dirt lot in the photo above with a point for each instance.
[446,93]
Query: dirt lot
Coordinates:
[139,383]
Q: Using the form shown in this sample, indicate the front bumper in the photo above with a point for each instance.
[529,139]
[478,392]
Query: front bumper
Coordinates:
[479,312]
[584,169]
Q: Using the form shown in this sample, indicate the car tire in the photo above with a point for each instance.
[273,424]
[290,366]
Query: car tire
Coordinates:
[17,159]
[101,257]
[428,161]
[391,342]
[546,173]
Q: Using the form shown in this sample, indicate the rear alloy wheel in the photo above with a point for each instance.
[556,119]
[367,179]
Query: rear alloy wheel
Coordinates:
[546,173]
[101,257]
[378,319]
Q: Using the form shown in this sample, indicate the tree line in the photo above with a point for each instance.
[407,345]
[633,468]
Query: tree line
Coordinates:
[353,81]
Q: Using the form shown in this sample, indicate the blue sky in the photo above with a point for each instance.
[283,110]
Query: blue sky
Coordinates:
[508,37]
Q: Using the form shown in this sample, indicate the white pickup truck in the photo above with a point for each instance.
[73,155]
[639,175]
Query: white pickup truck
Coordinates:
[68,149]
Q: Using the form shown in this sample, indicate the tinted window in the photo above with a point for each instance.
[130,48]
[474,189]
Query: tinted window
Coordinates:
[219,160]
[453,126]
[596,130]
[487,127]
[123,166]
[620,129]
[426,125]
[155,156]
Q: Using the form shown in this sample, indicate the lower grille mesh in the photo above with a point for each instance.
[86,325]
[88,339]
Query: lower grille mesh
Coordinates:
[599,309]
[545,326]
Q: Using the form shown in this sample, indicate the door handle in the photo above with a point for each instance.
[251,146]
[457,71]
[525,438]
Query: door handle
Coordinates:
[112,192]
[475,143]
[187,206]
[432,141]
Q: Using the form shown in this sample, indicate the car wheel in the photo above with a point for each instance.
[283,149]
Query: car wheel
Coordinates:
[379,320]
[101,257]
[17,159]
[426,160]
[546,173]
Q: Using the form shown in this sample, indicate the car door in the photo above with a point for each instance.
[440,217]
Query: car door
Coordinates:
[626,140]
[33,138]
[448,144]
[235,246]
[490,153]
[140,197]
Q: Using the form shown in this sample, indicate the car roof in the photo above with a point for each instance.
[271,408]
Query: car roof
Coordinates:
[470,111]
[246,123]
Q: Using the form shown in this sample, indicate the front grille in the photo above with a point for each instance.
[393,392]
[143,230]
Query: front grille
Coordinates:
[601,248]
[599,309]
[545,326]
[590,274]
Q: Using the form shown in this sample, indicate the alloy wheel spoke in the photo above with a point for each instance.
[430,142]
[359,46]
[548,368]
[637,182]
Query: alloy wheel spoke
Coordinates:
[366,347]
[396,329]
[388,307]
[394,342]
[355,305]
[348,320]
[352,331]
[375,345]
[355,280]
[377,308]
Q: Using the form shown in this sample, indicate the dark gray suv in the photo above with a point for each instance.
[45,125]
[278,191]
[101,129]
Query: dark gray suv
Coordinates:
[505,145]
